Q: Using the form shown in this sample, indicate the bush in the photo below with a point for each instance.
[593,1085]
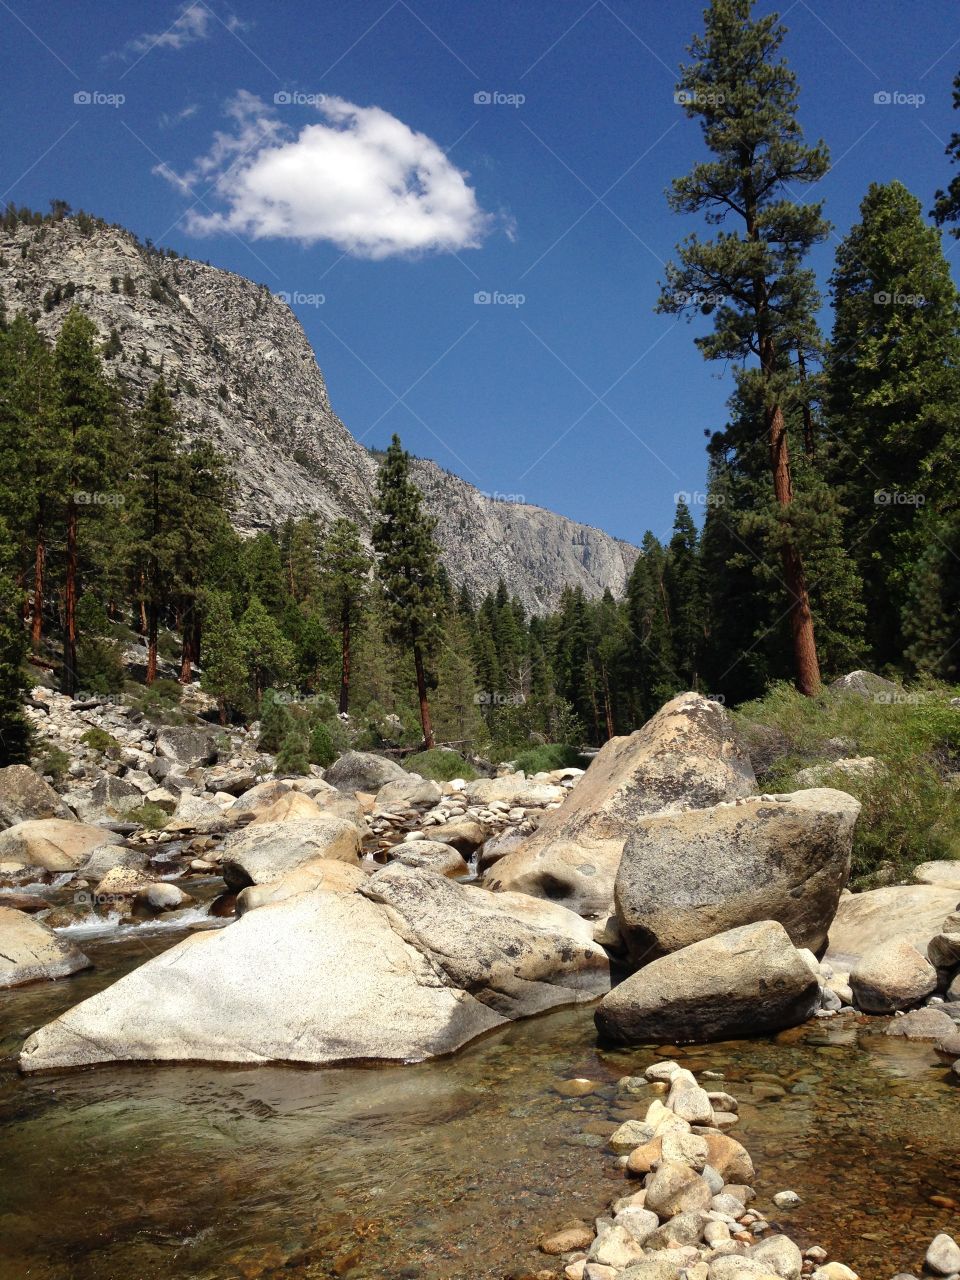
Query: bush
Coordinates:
[292,756]
[100,740]
[910,813]
[276,722]
[54,763]
[99,666]
[553,755]
[160,698]
[440,765]
[322,750]
[149,815]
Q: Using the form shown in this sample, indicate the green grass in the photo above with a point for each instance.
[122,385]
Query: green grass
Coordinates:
[149,815]
[911,811]
[552,755]
[100,740]
[440,765]
[54,762]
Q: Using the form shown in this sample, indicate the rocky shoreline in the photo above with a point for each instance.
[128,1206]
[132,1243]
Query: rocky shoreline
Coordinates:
[696,1214]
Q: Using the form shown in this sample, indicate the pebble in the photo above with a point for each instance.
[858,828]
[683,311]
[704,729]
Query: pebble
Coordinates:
[943,1256]
[786,1200]
[577,1088]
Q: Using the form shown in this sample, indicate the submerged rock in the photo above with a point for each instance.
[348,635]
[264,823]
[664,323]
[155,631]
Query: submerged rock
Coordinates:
[686,757]
[747,981]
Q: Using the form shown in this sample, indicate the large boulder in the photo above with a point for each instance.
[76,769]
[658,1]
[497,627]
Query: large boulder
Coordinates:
[686,757]
[292,806]
[52,843]
[521,965]
[109,797]
[864,684]
[259,798]
[330,800]
[25,796]
[686,876]
[189,748]
[30,952]
[263,852]
[914,912]
[363,771]
[748,981]
[945,874]
[431,855]
[514,789]
[319,873]
[407,968]
[404,792]
[892,976]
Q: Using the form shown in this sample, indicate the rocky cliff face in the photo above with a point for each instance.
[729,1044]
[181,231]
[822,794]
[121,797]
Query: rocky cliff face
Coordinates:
[244,375]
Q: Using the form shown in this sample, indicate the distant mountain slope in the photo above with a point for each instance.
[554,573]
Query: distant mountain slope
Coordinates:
[244,375]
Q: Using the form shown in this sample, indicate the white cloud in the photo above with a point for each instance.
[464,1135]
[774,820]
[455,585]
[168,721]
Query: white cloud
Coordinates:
[169,119]
[194,22]
[363,180]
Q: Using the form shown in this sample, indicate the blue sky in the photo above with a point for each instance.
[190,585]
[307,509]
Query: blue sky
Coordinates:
[578,396]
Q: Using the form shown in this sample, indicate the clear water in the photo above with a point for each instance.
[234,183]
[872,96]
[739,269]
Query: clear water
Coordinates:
[448,1169]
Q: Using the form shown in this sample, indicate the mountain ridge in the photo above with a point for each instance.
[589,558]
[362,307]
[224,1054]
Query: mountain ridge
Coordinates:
[244,375]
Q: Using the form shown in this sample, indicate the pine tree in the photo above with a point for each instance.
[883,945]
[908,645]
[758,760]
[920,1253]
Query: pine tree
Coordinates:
[158,495]
[652,659]
[407,568]
[206,503]
[86,413]
[267,654]
[947,206]
[225,675]
[892,396]
[15,736]
[345,567]
[685,596]
[751,279]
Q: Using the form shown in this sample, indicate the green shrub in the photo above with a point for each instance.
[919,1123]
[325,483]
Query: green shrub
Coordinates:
[322,750]
[149,815]
[910,813]
[100,740]
[553,755]
[55,763]
[440,765]
[99,665]
[160,697]
[276,721]
[293,754]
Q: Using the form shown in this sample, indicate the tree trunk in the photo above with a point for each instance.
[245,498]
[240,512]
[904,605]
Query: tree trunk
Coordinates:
[608,710]
[345,666]
[801,618]
[422,694]
[153,627]
[39,567]
[70,604]
[190,645]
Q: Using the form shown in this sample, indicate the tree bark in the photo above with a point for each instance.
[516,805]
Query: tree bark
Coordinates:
[39,573]
[422,694]
[70,604]
[153,628]
[190,645]
[801,617]
[345,666]
[809,446]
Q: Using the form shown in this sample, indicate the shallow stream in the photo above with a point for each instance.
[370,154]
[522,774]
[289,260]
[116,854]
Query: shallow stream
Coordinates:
[443,1170]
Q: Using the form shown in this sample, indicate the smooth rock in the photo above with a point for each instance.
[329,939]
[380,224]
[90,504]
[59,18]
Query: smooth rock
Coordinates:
[779,1255]
[52,843]
[262,853]
[328,874]
[187,747]
[943,950]
[615,1248]
[748,981]
[687,876]
[639,1222]
[430,854]
[891,976]
[363,771]
[910,912]
[923,1024]
[161,896]
[943,1255]
[945,874]
[686,757]
[463,834]
[566,1240]
[403,792]
[32,952]
[676,1188]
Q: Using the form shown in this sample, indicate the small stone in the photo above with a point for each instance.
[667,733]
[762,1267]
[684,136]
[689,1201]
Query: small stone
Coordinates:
[632,1133]
[786,1200]
[835,1271]
[578,1236]
[615,1248]
[577,1088]
[816,1253]
[780,1256]
[662,1071]
[943,1256]
[632,1085]
[639,1223]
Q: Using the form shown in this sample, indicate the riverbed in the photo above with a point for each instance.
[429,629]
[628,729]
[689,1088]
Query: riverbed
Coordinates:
[442,1170]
